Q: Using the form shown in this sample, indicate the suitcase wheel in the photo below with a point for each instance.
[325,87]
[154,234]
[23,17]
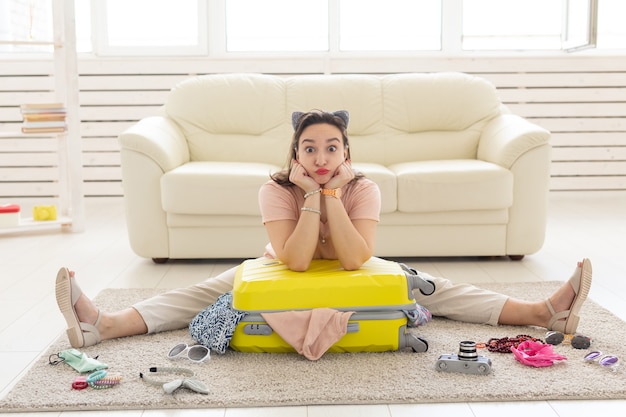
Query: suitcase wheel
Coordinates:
[416,343]
[415,280]
[428,291]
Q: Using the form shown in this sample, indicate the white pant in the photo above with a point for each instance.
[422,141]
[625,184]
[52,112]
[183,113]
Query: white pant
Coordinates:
[176,308]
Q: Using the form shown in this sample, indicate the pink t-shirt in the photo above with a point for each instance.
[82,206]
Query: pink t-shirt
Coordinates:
[361,200]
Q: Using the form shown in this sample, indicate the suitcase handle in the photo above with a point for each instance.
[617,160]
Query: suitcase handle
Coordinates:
[257,329]
[266,330]
[416,281]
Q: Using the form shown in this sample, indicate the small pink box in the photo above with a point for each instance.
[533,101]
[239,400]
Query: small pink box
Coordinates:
[9,215]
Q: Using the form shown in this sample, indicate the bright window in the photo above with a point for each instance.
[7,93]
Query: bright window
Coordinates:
[276,25]
[393,25]
[152,22]
[23,22]
[512,25]
[611,27]
[150,27]
[82,11]
[187,27]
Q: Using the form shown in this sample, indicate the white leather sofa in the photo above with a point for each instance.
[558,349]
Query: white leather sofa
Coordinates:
[459,175]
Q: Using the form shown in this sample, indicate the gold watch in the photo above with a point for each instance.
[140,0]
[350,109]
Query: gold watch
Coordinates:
[334,192]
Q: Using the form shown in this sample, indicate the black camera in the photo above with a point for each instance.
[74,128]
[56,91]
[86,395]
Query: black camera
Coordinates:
[467,361]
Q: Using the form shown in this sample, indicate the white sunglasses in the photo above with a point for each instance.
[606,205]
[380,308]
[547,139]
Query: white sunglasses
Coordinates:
[195,353]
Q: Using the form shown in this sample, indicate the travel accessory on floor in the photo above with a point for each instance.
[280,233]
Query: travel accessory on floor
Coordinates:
[77,360]
[536,354]
[577,341]
[100,380]
[96,380]
[80,382]
[467,361]
[195,353]
[214,326]
[504,344]
[190,382]
[606,361]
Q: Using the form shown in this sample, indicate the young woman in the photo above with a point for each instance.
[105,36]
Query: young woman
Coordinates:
[318,208]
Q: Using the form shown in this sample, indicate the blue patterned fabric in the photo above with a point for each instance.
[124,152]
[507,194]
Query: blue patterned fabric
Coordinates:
[214,326]
[418,317]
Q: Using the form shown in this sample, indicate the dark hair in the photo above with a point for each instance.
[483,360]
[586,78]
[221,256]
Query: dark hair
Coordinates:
[303,121]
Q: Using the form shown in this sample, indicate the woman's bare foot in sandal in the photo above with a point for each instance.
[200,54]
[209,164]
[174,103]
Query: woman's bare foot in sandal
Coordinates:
[86,324]
[86,310]
[563,307]
[81,316]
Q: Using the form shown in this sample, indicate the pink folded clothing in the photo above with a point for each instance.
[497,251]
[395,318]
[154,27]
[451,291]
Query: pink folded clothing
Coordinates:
[536,354]
[312,332]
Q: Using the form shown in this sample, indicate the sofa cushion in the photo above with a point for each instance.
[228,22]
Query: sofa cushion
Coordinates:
[386,181]
[215,188]
[438,102]
[431,117]
[232,117]
[452,185]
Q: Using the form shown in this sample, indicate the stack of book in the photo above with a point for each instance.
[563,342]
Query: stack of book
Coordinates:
[43,118]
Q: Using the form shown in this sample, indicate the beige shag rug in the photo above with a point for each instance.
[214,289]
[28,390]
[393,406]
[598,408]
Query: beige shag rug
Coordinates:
[258,379]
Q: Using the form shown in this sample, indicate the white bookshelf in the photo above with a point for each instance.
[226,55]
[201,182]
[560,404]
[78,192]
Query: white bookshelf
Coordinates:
[69,202]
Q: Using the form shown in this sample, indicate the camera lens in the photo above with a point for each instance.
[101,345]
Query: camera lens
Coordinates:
[467,351]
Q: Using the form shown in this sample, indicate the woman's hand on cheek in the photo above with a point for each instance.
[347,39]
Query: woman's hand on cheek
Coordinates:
[343,175]
[301,178]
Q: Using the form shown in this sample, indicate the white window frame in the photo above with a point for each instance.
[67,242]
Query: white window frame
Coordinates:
[451,37]
[211,42]
[571,41]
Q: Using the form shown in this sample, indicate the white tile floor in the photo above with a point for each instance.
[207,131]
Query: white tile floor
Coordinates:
[581,224]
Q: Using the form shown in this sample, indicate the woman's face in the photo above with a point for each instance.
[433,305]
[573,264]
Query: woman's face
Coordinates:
[321,151]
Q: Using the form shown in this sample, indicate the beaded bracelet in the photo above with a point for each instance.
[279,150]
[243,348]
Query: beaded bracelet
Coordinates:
[503,345]
[312,210]
[310,193]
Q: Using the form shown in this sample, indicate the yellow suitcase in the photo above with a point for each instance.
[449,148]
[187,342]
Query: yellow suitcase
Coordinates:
[379,293]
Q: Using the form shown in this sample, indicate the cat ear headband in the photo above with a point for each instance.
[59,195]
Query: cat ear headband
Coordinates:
[343,114]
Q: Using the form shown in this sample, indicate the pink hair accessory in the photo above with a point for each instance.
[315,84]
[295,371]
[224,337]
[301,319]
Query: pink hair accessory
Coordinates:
[536,354]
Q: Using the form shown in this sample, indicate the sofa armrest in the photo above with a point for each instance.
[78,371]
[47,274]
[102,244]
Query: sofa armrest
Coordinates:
[153,146]
[158,138]
[507,137]
[524,148]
